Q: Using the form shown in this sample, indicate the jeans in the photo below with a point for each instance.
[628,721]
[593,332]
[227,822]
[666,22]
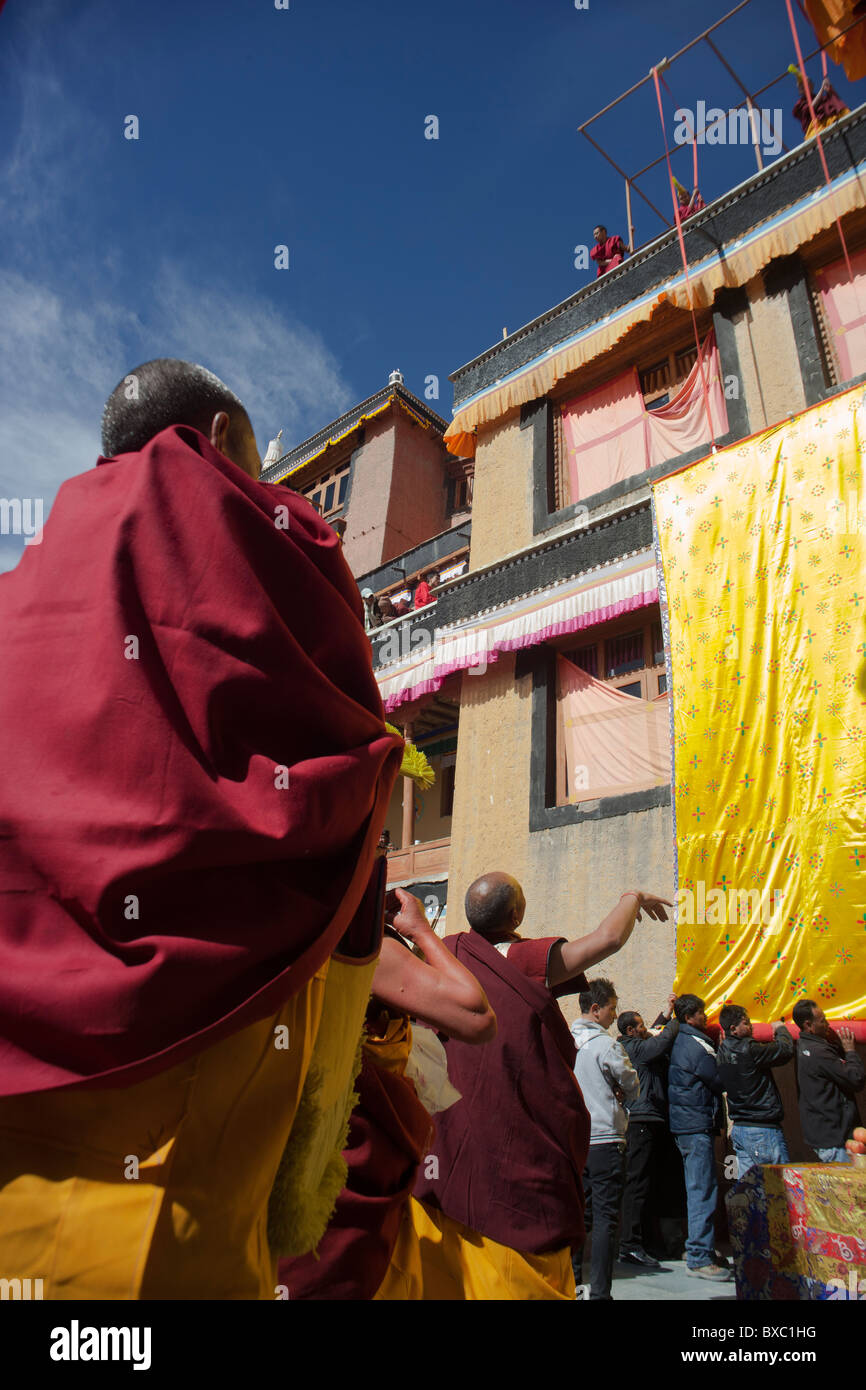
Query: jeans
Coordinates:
[755,1145]
[603,1183]
[645,1141]
[833,1155]
[701,1192]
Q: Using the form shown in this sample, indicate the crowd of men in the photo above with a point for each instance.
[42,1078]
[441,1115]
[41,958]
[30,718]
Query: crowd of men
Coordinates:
[645,1089]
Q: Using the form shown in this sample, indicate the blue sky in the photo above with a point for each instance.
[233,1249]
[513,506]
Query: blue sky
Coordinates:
[305,127]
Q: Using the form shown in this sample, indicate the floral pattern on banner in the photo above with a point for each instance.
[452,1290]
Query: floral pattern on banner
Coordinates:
[796,1229]
[763,555]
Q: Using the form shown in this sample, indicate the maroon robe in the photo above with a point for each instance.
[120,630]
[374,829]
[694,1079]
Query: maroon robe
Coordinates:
[827,105]
[195,766]
[389,1134]
[511,1152]
[607,254]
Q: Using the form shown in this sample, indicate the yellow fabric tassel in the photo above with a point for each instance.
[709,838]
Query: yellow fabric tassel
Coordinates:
[297,1217]
[414,763]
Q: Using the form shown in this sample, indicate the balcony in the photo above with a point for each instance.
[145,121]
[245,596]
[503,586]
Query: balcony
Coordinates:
[428,860]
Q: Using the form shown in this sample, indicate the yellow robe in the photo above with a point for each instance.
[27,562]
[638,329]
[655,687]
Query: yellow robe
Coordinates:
[437,1258]
[205,1140]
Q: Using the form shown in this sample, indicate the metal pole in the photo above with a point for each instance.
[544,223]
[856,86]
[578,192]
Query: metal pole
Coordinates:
[628,215]
[754,121]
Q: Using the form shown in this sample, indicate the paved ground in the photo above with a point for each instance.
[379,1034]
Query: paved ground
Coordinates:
[669,1282]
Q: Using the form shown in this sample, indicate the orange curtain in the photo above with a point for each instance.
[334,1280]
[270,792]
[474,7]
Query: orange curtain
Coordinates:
[829,18]
[610,435]
[844,303]
[609,742]
[605,435]
[681,425]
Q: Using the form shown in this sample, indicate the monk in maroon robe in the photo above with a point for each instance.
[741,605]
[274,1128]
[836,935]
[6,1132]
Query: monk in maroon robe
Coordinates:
[196,771]
[826,103]
[511,1153]
[390,1130]
[608,250]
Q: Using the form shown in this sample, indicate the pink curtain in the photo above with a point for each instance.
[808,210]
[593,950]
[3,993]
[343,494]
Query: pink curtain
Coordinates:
[682,425]
[845,307]
[604,435]
[610,435]
[609,743]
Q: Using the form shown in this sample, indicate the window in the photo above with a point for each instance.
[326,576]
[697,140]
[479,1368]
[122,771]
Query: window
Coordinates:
[328,492]
[460,493]
[635,420]
[838,303]
[585,658]
[622,654]
[607,745]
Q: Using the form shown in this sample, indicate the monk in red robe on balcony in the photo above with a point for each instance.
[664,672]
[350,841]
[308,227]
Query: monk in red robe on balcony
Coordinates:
[608,250]
[688,203]
[826,103]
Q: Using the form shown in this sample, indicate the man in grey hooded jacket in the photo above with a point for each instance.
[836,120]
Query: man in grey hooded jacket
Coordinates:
[609,1082]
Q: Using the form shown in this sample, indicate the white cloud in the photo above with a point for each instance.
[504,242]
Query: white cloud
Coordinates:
[61,355]
[69,333]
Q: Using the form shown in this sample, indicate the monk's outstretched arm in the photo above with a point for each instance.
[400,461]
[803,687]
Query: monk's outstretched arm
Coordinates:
[437,990]
[570,958]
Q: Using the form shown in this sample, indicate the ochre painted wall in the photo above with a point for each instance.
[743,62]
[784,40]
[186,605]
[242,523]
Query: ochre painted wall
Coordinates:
[502,496]
[571,876]
[767,350]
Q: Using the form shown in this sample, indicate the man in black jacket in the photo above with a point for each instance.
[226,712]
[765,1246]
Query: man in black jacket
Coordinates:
[829,1075]
[647,1134]
[695,1113]
[754,1103]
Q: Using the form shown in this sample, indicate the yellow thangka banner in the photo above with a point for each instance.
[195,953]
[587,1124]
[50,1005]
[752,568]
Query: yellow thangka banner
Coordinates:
[763,554]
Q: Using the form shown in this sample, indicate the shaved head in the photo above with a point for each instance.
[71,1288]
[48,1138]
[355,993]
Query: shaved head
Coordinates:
[495,904]
[168,391]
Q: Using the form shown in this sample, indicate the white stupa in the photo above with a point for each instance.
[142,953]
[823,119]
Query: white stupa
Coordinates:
[275,451]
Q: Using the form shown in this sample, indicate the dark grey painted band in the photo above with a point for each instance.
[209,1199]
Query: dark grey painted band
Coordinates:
[728,303]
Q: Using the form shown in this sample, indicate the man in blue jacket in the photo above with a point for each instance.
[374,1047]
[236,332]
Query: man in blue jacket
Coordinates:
[695,1116]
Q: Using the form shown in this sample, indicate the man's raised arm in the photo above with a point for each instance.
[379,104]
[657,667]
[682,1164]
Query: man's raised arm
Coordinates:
[570,958]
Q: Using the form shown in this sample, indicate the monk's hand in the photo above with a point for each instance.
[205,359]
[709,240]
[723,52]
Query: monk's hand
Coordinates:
[403,911]
[652,905]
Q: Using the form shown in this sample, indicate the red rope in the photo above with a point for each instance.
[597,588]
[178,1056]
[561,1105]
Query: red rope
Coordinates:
[681,239]
[692,140]
[808,95]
